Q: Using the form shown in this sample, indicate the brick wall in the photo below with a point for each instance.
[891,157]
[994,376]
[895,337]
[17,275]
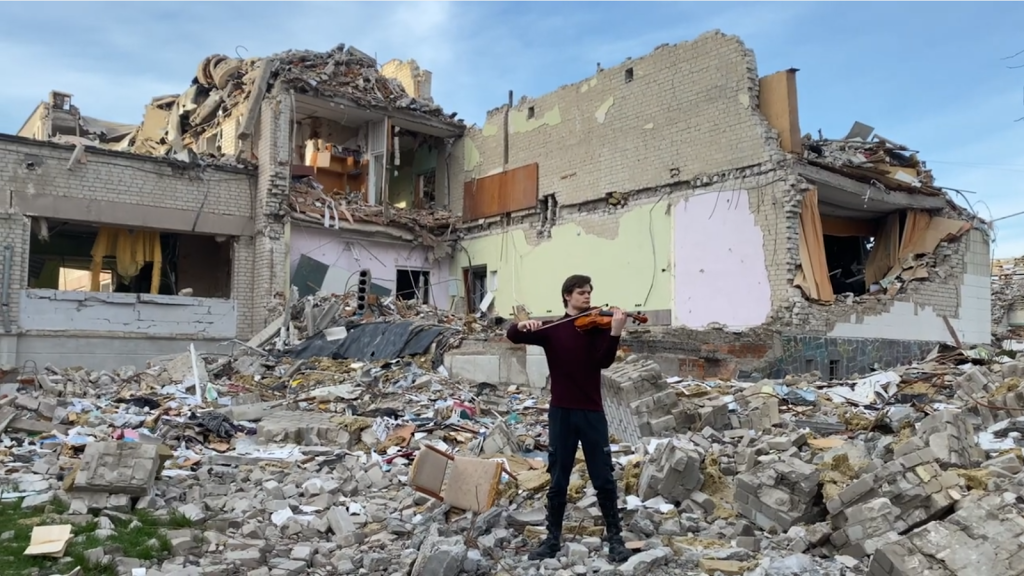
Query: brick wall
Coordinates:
[273,141]
[689,110]
[675,123]
[34,167]
[14,232]
[685,123]
[120,177]
[772,199]
[415,80]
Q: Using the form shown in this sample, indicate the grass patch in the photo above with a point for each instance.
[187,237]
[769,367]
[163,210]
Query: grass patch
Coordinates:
[138,535]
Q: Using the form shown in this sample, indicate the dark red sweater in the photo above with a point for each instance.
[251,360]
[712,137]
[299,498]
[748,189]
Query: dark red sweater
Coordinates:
[575,360]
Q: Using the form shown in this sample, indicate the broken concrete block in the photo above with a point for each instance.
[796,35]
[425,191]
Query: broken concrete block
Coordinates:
[118,468]
[779,494]
[627,391]
[914,483]
[672,471]
[983,536]
[302,428]
[951,436]
[1007,463]
[863,528]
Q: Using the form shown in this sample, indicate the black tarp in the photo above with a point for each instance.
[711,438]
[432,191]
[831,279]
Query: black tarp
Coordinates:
[374,341]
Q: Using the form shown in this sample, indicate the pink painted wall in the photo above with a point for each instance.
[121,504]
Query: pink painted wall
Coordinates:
[720,273]
[346,255]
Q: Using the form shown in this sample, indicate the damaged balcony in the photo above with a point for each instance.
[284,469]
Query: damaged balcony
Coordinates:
[88,279]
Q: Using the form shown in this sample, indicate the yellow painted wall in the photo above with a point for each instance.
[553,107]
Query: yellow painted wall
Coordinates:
[617,256]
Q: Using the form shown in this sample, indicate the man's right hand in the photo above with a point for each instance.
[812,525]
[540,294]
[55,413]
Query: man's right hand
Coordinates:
[528,325]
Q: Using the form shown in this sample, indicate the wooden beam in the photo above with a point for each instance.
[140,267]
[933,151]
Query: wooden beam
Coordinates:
[778,104]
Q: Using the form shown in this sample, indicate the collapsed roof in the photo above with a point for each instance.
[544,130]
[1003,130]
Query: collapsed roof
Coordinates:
[228,90]
[868,157]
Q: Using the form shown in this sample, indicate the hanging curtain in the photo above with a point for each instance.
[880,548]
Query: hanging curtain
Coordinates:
[131,249]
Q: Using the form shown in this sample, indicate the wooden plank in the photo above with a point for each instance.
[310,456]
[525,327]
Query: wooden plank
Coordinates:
[520,190]
[779,105]
[501,193]
[832,226]
[482,197]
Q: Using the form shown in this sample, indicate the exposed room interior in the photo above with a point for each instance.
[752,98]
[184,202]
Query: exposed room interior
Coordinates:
[852,243]
[61,258]
[847,255]
[411,182]
[365,155]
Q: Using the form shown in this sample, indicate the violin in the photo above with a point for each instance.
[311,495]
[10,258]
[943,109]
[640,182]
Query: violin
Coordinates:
[602,318]
[597,317]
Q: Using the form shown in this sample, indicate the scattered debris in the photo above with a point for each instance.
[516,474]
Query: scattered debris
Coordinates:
[311,202]
[345,448]
[863,157]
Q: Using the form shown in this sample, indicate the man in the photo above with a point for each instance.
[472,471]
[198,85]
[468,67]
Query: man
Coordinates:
[576,416]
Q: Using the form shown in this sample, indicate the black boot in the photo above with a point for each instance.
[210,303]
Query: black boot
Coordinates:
[552,543]
[617,551]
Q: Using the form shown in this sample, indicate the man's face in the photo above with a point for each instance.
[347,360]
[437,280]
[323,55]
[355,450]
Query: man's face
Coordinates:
[580,298]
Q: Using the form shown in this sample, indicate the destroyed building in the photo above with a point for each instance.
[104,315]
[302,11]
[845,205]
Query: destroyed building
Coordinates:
[298,169]
[682,184]
[355,452]
[1008,301]
[352,168]
[749,245]
[110,258]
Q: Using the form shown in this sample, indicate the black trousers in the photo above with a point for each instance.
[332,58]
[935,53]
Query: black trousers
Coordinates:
[567,429]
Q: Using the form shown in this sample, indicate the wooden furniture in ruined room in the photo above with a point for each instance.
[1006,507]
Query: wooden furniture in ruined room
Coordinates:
[337,169]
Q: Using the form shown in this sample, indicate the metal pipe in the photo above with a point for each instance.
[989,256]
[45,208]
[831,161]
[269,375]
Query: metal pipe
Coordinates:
[5,299]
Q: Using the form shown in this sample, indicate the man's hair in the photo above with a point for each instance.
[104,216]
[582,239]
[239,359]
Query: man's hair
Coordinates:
[574,283]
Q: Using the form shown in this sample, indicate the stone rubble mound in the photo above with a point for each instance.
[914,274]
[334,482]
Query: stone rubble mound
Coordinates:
[913,471]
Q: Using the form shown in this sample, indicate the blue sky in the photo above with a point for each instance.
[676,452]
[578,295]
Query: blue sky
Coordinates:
[929,75]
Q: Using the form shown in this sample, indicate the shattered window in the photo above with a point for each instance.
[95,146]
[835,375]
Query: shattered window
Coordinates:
[412,285]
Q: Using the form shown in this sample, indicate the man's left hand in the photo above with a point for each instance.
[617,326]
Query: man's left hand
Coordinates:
[618,321]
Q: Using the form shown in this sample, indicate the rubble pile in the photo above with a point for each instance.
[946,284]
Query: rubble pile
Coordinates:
[868,158]
[311,202]
[349,73]
[227,90]
[307,456]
